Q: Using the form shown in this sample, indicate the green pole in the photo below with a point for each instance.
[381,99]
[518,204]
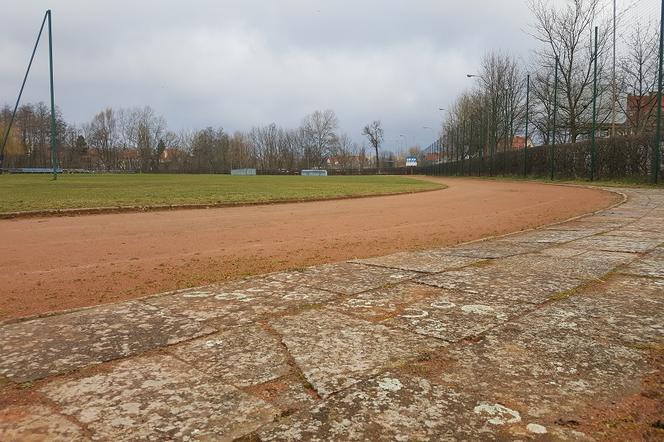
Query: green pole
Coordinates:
[470,147]
[463,144]
[525,144]
[458,142]
[487,137]
[555,112]
[507,126]
[494,128]
[592,144]
[20,93]
[658,131]
[54,155]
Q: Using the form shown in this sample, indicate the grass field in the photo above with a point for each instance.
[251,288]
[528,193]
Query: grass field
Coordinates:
[39,192]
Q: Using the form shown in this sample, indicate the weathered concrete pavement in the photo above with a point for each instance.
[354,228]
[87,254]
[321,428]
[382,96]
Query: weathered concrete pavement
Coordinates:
[556,333]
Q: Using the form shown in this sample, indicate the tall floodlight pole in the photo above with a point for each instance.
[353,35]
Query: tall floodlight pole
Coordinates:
[20,93]
[614,84]
[507,130]
[658,131]
[555,112]
[593,147]
[525,144]
[54,154]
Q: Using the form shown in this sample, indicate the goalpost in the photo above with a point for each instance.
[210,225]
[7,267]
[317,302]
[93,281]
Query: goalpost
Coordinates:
[54,156]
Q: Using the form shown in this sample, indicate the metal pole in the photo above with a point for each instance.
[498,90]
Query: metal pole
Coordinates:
[494,127]
[20,93]
[463,143]
[507,129]
[592,144]
[658,130]
[456,150]
[555,112]
[54,154]
[615,86]
[488,129]
[525,144]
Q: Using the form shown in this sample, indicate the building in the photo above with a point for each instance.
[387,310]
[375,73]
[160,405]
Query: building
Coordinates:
[518,142]
[641,113]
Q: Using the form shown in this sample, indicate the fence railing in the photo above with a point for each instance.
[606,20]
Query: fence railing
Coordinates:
[616,158]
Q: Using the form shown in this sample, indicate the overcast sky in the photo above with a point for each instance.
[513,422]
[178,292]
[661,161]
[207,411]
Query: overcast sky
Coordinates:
[237,64]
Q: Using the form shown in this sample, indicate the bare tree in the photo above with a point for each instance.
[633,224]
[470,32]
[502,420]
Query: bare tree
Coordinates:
[319,137]
[566,34]
[102,136]
[344,152]
[374,132]
[637,77]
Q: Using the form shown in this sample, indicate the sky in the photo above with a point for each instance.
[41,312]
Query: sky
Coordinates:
[239,64]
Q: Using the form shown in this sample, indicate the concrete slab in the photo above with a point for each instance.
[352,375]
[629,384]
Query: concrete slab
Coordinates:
[289,394]
[159,398]
[561,252]
[543,369]
[241,302]
[494,249]
[588,226]
[651,265]
[242,356]
[57,344]
[626,310]
[335,351]
[428,261]
[611,243]
[509,283]
[549,236]
[37,423]
[631,231]
[345,278]
[456,315]
[585,266]
[394,408]
[377,305]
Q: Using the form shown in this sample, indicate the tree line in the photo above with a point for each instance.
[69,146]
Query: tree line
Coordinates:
[138,139]
[556,93]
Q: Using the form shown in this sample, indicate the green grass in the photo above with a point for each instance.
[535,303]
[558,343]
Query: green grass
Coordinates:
[39,192]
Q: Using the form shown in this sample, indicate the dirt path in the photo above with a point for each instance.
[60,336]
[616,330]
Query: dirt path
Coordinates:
[60,263]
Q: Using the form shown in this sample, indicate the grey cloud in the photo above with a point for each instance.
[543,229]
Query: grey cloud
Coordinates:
[245,63]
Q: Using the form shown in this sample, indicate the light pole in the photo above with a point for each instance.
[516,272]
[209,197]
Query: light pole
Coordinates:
[614,85]
[525,144]
[54,157]
[405,142]
[658,129]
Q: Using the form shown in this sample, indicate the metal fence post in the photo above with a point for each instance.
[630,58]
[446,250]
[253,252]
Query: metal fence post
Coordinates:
[20,93]
[593,135]
[555,112]
[54,154]
[658,130]
[525,144]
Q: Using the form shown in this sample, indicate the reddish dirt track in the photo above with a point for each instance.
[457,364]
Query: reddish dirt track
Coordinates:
[51,264]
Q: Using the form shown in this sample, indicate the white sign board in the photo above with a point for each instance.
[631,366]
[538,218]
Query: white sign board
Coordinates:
[411,161]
